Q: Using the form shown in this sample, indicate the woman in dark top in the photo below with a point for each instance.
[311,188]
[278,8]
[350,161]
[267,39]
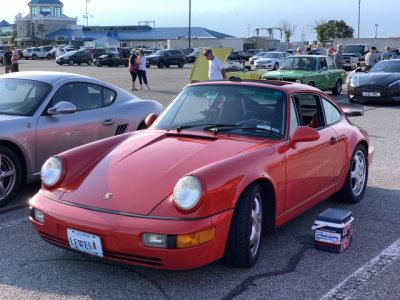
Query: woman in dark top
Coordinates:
[133,69]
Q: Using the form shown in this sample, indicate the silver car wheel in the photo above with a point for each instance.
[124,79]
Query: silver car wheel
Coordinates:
[8,176]
[358,172]
[256,224]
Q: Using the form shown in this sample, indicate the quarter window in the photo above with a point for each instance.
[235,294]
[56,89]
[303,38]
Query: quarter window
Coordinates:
[332,114]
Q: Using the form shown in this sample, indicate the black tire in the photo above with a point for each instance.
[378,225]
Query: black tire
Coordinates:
[99,65]
[181,64]
[126,65]
[147,66]
[276,66]
[111,64]
[89,62]
[241,250]
[79,63]
[311,83]
[34,56]
[11,175]
[71,62]
[338,87]
[167,65]
[160,65]
[356,180]
[49,56]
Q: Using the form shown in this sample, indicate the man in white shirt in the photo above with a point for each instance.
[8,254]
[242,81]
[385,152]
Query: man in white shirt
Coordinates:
[216,70]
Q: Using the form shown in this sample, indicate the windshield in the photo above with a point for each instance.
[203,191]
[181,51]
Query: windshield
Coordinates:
[388,66]
[20,96]
[241,110]
[353,49]
[261,53]
[271,55]
[159,52]
[299,63]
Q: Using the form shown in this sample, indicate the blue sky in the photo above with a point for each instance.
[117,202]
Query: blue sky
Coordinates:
[235,17]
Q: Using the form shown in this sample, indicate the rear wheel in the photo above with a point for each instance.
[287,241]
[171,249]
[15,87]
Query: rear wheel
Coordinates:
[71,62]
[167,65]
[10,175]
[160,65]
[338,87]
[49,56]
[34,56]
[356,181]
[89,62]
[181,64]
[244,238]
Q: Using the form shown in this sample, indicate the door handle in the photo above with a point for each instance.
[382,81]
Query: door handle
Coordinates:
[333,141]
[108,122]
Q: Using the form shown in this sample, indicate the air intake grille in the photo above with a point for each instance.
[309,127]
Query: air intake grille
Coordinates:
[121,129]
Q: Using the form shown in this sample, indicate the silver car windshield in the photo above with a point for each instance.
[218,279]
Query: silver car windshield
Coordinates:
[271,55]
[239,110]
[21,97]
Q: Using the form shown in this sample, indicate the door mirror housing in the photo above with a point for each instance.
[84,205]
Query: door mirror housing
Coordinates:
[62,107]
[303,134]
[150,119]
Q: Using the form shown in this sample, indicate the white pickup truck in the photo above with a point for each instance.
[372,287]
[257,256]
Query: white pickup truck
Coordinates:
[35,53]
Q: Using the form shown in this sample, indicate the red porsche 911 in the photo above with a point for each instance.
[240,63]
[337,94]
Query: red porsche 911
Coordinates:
[225,161]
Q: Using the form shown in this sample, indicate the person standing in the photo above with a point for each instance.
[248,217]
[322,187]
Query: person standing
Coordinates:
[142,70]
[216,70]
[330,52]
[371,59]
[7,59]
[299,51]
[14,60]
[388,54]
[308,51]
[338,57]
[133,69]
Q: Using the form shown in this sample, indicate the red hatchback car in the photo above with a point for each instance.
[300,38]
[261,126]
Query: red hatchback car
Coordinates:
[223,162]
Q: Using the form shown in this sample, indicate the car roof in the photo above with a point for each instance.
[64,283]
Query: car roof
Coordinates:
[44,76]
[284,86]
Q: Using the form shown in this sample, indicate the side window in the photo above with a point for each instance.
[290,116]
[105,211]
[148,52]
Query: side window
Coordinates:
[294,122]
[84,96]
[323,63]
[332,114]
[108,96]
[331,64]
[309,110]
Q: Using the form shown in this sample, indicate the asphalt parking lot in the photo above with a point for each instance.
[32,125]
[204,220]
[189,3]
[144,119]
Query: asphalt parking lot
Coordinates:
[289,266]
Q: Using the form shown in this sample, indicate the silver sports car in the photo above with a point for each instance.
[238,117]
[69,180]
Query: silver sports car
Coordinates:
[44,113]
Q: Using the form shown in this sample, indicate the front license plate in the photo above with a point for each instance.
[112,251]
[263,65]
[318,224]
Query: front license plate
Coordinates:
[85,242]
[371,94]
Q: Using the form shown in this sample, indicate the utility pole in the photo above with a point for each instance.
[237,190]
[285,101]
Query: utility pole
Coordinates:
[190,10]
[376,31]
[359,9]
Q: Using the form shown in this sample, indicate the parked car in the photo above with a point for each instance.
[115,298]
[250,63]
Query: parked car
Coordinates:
[257,56]
[21,53]
[193,56]
[75,57]
[44,113]
[230,159]
[354,54]
[315,70]
[271,60]
[166,58]
[1,56]
[35,53]
[237,55]
[111,60]
[62,51]
[235,70]
[380,83]
[96,52]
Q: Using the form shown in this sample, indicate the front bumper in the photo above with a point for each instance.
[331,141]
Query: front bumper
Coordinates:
[373,93]
[121,236]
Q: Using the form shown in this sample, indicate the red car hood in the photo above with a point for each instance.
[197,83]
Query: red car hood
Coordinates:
[143,170]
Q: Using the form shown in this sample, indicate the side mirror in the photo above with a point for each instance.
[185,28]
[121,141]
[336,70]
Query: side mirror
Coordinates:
[150,119]
[303,134]
[62,107]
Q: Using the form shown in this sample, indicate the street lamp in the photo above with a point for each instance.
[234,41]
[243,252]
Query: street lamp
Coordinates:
[376,31]
[190,9]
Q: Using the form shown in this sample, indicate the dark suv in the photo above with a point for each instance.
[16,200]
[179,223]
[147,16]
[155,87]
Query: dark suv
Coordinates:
[165,58]
[75,57]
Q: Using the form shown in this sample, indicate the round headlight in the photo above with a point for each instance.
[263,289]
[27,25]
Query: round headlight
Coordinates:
[187,192]
[51,171]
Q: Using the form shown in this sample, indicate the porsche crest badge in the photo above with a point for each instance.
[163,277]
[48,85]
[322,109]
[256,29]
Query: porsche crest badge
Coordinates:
[107,196]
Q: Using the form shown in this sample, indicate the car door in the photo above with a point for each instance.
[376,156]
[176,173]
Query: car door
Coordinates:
[326,75]
[311,167]
[92,120]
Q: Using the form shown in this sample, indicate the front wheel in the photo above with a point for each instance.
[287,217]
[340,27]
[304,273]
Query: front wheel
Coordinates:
[71,62]
[181,64]
[356,181]
[10,175]
[34,56]
[244,238]
[276,66]
[160,65]
[89,62]
[49,56]
[338,87]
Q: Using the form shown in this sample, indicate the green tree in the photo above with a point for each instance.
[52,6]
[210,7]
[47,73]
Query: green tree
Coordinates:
[333,29]
[287,29]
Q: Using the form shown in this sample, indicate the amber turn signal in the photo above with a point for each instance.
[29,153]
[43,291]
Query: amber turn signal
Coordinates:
[195,239]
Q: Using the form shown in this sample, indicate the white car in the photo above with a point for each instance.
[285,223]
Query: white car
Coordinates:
[257,56]
[35,53]
[271,60]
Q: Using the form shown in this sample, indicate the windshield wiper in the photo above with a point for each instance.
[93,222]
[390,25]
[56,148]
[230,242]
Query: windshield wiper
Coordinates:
[268,129]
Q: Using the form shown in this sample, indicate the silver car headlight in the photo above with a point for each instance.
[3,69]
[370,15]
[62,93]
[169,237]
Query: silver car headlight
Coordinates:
[395,84]
[355,81]
[187,192]
[52,171]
